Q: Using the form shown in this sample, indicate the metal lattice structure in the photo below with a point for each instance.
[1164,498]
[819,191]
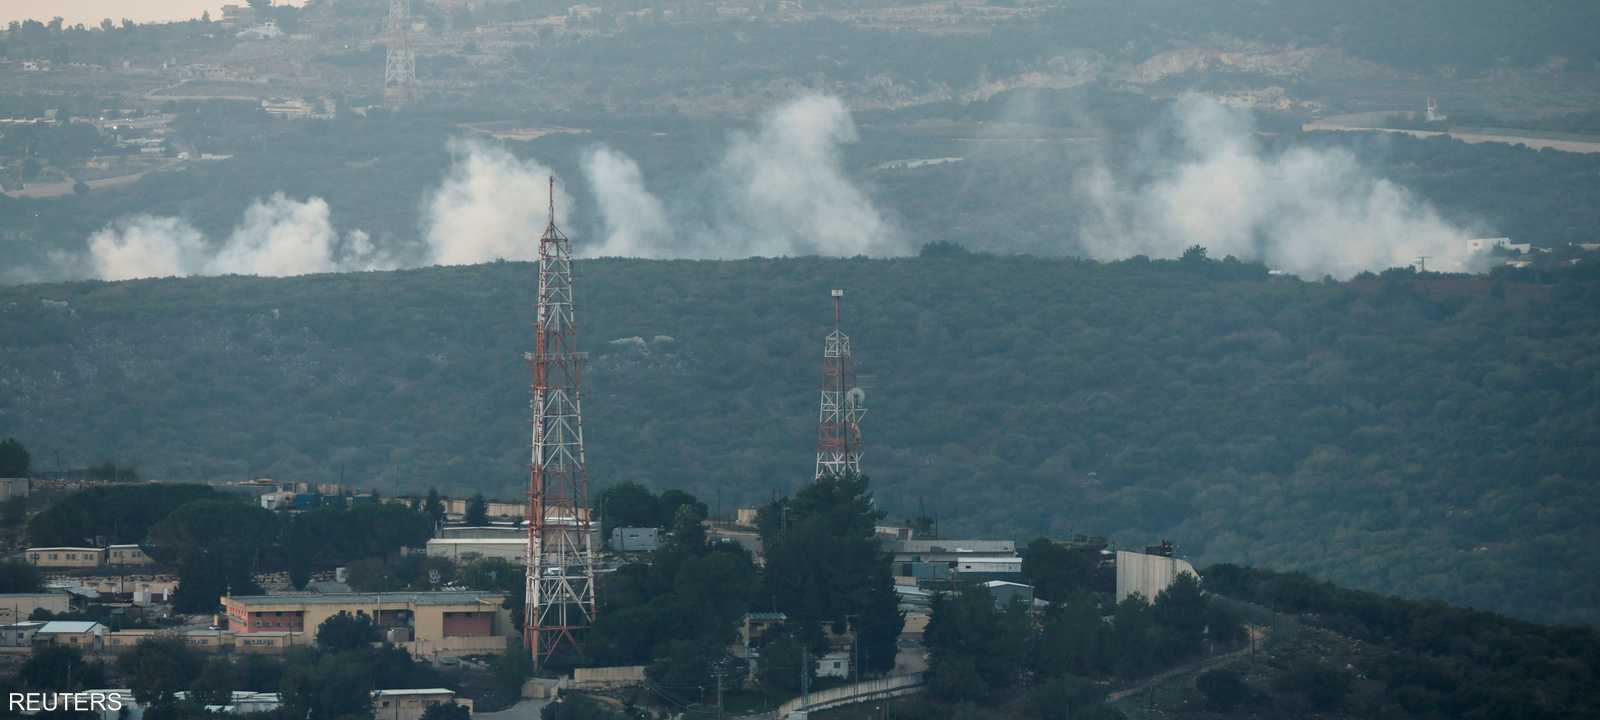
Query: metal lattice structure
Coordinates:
[843,404]
[400,62]
[560,581]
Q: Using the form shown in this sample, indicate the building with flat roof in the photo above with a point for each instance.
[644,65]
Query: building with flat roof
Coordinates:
[410,704]
[128,555]
[66,557]
[84,634]
[14,487]
[427,624]
[19,634]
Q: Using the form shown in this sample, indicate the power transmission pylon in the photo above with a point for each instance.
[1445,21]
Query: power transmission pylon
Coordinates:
[399,63]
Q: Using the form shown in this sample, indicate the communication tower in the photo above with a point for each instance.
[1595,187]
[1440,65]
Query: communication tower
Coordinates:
[400,63]
[560,582]
[843,404]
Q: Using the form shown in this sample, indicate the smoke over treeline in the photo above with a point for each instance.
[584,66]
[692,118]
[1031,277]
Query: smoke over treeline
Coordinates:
[782,187]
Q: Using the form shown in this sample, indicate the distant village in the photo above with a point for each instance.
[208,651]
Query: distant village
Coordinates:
[451,624]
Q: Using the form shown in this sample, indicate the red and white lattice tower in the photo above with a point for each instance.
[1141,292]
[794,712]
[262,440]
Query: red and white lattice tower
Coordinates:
[843,405]
[560,583]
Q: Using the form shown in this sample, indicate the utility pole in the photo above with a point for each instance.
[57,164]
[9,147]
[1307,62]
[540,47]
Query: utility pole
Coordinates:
[719,691]
[805,678]
[1422,263]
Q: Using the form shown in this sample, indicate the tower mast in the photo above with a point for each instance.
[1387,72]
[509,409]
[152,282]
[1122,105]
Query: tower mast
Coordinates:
[843,404]
[560,582]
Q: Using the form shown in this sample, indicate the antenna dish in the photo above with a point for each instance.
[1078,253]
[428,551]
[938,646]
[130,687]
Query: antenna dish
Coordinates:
[855,397]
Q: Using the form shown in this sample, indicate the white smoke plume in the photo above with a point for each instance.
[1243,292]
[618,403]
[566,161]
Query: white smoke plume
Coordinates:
[146,246]
[780,190]
[1309,211]
[635,221]
[490,206]
[277,236]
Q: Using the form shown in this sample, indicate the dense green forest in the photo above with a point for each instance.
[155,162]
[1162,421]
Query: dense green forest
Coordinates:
[1428,435]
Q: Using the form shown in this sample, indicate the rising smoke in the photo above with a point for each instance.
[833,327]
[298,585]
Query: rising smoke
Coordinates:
[780,190]
[490,206]
[1312,212]
[277,236]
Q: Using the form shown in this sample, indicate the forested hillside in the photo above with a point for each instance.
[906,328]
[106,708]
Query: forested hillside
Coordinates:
[1424,435]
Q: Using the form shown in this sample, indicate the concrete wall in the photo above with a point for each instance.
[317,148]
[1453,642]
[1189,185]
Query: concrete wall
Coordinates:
[16,607]
[473,624]
[859,692]
[1148,575]
[607,677]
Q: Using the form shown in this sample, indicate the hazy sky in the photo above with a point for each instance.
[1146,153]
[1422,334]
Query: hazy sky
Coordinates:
[90,12]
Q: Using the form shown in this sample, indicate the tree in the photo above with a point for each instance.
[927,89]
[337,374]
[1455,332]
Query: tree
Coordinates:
[13,511]
[446,711]
[477,514]
[956,679]
[628,504]
[511,669]
[1071,638]
[674,499]
[1056,572]
[19,576]
[215,544]
[259,4]
[1062,698]
[433,507]
[60,668]
[825,566]
[348,632]
[965,625]
[1323,686]
[14,459]
[1223,688]
[157,667]
[329,687]
[782,661]
[1182,610]
[216,682]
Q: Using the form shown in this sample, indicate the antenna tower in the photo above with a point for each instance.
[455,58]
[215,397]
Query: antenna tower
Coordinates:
[560,582]
[400,63]
[843,404]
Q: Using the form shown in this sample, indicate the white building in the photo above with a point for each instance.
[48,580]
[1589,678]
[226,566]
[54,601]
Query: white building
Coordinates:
[835,664]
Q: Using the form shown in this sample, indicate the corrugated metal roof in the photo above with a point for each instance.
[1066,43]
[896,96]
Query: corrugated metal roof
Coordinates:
[72,627]
[953,546]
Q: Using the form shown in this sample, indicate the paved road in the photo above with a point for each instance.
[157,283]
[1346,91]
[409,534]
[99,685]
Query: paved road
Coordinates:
[1189,667]
[526,710]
